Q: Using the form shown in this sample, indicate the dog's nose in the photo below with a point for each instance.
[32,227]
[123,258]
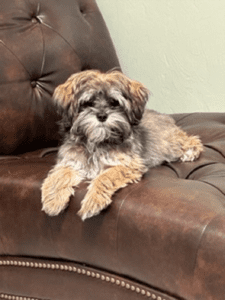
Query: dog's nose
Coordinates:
[102,116]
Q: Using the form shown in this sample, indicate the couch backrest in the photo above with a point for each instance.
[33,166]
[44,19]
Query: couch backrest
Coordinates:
[42,42]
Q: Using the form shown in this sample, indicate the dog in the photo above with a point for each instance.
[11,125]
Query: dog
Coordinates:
[110,139]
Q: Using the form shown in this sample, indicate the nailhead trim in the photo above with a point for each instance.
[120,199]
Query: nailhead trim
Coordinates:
[81,271]
[12,297]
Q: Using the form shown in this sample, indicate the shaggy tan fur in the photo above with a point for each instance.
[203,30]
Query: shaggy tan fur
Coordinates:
[109,139]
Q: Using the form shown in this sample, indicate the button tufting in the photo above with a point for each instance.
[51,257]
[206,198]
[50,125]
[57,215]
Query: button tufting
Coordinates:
[33,84]
[82,10]
[35,19]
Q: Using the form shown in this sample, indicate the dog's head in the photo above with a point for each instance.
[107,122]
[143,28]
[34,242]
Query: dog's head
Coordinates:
[102,107]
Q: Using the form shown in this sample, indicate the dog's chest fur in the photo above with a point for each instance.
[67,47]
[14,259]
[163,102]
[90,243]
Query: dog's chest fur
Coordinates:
[92,164]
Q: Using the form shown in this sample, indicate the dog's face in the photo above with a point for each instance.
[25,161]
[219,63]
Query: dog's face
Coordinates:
[101,107]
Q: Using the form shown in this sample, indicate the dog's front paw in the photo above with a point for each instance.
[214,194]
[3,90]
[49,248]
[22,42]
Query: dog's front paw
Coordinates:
[189,155]
[93,204]
[193,149]
[55,201]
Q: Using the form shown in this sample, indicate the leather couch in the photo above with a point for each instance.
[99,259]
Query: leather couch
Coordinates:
[161,239]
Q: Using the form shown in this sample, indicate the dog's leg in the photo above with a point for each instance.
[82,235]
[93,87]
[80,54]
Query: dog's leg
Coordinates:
[57,189]
[191,146]
[107,183]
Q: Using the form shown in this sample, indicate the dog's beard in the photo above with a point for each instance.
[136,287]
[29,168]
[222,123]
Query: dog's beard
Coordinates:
[94,133]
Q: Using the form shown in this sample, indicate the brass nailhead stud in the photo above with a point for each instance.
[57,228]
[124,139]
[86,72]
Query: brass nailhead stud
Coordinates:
[117,282]
[74,269]
[138,290]
[143,292]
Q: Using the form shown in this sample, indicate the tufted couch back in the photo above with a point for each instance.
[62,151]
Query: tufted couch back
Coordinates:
[41,44]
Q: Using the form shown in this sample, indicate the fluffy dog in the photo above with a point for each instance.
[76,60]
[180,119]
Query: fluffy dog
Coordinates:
[110,139]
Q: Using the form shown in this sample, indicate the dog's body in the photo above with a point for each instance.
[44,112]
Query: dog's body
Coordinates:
[109,139]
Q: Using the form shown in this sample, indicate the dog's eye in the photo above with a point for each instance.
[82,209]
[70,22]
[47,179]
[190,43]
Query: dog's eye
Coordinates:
[113,102]
[89,103]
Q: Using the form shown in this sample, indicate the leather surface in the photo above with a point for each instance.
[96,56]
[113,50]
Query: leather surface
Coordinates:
[166,232]
[41,44]
[47,279]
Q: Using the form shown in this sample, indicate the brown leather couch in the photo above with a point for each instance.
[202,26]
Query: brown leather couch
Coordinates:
[161,239]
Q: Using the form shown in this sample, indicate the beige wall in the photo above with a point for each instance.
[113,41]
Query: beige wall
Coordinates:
[175,47]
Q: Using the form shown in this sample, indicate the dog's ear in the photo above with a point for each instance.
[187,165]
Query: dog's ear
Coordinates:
[137,94]
[66,95]
[134,92]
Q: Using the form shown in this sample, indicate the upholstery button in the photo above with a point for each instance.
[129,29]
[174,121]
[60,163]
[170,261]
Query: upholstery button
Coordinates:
[33,84]
[34,20]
